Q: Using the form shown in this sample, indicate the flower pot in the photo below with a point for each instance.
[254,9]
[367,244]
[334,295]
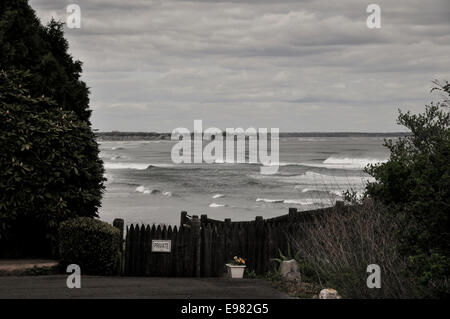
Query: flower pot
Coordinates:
[235,271]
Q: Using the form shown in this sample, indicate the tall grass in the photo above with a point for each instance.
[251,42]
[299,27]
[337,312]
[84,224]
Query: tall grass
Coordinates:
[335,249]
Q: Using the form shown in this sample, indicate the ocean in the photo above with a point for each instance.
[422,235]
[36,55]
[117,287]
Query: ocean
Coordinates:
[144,185]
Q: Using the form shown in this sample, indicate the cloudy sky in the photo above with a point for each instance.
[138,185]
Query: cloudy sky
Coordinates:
[299,65]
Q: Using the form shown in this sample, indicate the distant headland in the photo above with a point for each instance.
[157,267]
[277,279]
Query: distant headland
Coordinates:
[155,136]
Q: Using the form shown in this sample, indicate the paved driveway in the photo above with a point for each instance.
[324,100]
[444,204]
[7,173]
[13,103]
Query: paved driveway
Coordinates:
[137,287]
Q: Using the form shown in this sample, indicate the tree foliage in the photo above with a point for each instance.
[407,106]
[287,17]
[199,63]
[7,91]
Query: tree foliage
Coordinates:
[27,45]
[415,183]
[49,165]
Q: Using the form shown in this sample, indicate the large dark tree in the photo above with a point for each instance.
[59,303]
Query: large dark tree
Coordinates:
[27,45]
[49,165]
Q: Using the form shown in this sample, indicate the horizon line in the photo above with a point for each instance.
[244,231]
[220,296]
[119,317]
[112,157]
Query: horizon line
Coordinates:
[281,132]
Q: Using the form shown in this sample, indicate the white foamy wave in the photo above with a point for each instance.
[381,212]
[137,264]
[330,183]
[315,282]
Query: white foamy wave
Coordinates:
[117,148]
[221,161]
[144,190]
[136,166]
[214,205]
[217,196]
[317,178]
[303,201]
[313,190]
[115,157]
[141,189]
[289,164]
[352,162]
[313,178]
[348,163]
[308,201]
[336,193]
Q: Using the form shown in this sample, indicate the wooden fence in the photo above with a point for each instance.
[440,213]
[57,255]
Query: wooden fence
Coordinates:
[141,261]
[200,247]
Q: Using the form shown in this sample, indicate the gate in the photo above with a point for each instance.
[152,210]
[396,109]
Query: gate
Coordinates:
[200,247]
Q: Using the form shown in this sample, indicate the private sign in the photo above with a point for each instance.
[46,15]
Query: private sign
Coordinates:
[162,246]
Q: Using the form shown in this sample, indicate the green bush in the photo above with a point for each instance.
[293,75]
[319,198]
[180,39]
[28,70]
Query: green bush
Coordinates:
[415,184]
[49,169]
[90,243]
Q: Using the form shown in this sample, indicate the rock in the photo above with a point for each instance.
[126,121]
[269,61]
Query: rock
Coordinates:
[290,272]
[329,293]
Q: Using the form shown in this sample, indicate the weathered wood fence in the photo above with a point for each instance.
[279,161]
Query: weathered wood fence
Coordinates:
[200,247]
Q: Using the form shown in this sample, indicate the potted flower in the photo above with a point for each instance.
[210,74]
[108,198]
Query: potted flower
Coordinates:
[236,267]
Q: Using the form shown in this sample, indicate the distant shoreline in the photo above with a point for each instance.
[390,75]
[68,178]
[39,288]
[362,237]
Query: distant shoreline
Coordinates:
[154,136]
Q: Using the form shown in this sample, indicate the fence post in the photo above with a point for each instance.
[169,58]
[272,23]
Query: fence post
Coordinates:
[196,242]
[183,218]
[292,214]
[206,245]
[227,239]
[126,267]
[259,244]
[119,224]
[204,219]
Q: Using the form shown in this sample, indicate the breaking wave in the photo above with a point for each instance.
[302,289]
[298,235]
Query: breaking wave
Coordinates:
[313,178]
[135,166]
[304,201]
[349,163]
[313,190]
[145,190]
[352,162]
[214,205]
[138,166]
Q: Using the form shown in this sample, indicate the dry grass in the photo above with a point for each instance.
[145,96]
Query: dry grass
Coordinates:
[335,250]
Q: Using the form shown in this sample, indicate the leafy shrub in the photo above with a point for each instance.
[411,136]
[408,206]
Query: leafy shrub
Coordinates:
[49,168]
[415,184]
[90,243]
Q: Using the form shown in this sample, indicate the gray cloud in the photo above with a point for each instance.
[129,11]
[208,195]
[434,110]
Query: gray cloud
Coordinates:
[297,65]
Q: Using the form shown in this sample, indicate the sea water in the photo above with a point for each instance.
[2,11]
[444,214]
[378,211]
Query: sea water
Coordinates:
[144,185]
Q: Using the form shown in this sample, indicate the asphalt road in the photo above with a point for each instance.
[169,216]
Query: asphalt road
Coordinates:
[137,287]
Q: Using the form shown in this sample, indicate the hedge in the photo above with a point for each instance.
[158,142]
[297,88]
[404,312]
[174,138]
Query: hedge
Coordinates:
[90,243]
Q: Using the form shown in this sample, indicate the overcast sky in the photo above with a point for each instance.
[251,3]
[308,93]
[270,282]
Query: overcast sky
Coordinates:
[299,65]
